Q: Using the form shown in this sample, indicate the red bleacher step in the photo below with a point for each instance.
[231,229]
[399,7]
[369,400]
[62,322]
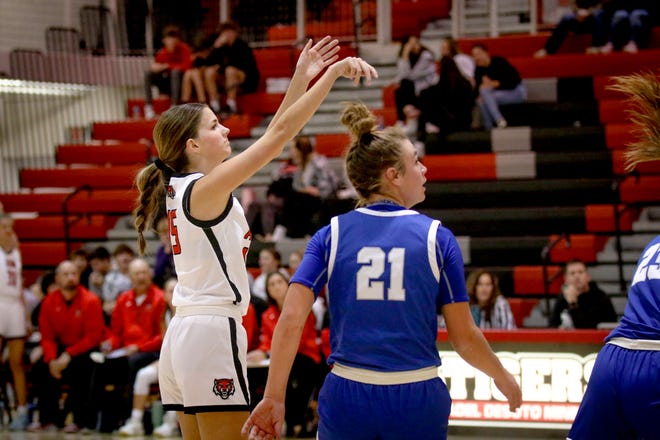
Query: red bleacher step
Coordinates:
[51,227]
[120,176]
[85,202]
[521,308]
[45,254]
[122,153]
[601,218]
[583,247]
[640,189]
[131,130]
[460,167]
[528,280]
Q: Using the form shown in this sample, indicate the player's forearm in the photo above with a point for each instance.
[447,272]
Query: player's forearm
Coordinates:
[475,350]
[283,352]
[296,89]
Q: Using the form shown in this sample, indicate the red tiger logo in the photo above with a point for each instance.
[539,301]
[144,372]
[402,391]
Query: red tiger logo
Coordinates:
[223,388]
[170,192]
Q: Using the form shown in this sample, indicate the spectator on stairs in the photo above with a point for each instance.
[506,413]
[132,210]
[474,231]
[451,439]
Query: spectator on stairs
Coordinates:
[586,17]
[447,106]
[464,62]
[117,280]
[232,66]
[630,24]
[498,83]
[582,304]
[167,70]
[416,71]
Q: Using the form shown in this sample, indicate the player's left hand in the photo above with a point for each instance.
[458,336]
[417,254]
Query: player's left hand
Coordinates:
[265,422]
[313,59]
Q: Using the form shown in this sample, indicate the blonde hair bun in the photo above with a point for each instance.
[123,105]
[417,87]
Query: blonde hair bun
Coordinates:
[359,120]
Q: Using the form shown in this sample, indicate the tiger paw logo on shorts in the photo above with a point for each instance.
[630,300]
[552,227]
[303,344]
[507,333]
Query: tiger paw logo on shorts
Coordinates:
[223,388]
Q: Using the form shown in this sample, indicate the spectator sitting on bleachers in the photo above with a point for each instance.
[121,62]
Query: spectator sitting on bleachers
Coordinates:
[264,215]
[630,24]
[498,83]
[416,71]
[464,62]
[270,260]
[146,377]
[80,258]
[303,376]
[136,330]
[314,183]
[193,78]
[232,64]
[164,264]
[167,70]
[586,18]
[117,280]
[447,106]
[100,262]
[582,304]
[490,309]
[71,326]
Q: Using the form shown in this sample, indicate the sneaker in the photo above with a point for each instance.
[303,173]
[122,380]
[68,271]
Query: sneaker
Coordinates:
[131,428]
[38,427]
[631,47]
[87,431]
[20,423]
[71,428]
[166,430]
[501,123]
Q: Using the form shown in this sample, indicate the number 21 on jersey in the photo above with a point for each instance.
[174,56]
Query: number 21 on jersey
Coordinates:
[373,261]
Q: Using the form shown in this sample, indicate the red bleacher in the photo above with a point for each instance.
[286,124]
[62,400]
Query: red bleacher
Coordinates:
[118,176]
[123,153]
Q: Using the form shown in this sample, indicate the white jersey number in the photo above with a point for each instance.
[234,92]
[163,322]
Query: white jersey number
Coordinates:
[646,269]
[373,260]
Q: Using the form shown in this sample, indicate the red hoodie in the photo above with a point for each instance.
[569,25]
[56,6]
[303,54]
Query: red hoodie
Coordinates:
[77,327]
[141,325]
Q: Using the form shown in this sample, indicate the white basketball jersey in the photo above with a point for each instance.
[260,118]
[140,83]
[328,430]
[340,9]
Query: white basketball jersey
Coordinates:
[209,256]
[10,274]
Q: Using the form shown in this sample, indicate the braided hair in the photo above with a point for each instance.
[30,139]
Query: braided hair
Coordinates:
[173,129]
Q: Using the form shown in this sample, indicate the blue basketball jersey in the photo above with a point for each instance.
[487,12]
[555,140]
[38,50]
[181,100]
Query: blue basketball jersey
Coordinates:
[388,270]
[641,318]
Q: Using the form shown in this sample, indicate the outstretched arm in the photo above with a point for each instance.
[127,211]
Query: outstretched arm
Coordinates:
[267,418]
[470,344]
[312,61]
[215,187]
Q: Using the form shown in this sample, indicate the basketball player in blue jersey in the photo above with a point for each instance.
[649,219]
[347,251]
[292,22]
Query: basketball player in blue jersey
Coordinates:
[622,400]
[389,271]
[202,372]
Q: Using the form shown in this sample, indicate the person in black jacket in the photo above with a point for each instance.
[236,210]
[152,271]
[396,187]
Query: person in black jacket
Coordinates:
[582,303]
[233,65]
[498,82]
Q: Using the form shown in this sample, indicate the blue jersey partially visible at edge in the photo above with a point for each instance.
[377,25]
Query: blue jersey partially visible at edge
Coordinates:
[641,318]
[389,270]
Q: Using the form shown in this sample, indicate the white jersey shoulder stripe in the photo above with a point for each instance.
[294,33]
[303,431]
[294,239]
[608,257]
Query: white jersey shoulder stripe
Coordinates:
[387,213]
[334,240]
[431,241]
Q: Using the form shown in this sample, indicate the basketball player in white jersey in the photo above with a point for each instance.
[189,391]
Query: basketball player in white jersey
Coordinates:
[13,315]
[389,270]
[202,365]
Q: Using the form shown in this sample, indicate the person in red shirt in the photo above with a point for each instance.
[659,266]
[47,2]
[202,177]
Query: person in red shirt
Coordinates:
[167,70]
[71,326]
[134,338]
[304,373]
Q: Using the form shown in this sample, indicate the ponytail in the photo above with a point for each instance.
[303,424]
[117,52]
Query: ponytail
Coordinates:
[151,185]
